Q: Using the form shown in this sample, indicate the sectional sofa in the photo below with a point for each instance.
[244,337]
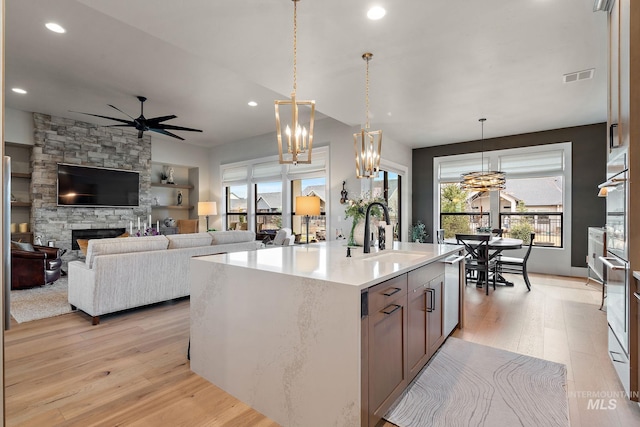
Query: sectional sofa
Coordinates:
[123,273]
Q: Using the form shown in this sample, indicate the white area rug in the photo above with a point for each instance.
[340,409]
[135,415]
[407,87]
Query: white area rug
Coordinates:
[468,384]
[40,302]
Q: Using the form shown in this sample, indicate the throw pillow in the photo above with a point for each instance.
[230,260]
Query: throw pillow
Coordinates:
[83,243]
[22,246]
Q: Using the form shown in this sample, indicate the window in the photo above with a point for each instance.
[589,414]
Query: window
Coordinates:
[532,202]
[236,207]
[268,206]
[387,185]
[317,224]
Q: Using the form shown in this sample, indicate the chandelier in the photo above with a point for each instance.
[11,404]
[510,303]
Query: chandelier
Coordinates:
[367,143]
[483,180]
[296,139]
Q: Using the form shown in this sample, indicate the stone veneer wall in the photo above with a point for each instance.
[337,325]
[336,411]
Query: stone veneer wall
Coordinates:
[60,140]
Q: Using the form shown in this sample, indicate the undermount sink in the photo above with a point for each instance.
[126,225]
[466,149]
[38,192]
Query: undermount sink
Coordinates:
[397,257]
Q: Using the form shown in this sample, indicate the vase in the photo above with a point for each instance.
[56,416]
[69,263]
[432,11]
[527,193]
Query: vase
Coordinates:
[356,237]
[352,240]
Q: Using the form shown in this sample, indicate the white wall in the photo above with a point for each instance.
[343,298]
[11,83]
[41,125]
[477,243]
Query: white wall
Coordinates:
[327,132]
[18,127]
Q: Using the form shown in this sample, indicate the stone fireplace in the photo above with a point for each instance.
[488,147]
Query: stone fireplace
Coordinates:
[60,140]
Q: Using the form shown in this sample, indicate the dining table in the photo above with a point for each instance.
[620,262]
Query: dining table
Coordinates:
[496,245]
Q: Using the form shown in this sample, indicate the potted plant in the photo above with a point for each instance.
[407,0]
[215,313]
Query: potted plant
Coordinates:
[163,177]
[418,232]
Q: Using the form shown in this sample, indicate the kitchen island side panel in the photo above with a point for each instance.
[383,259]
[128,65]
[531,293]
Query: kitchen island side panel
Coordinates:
[287,346]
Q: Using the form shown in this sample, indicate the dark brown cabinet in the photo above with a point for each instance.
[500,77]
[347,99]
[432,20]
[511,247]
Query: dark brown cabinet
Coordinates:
[387,345]
[435,335]
[425,300]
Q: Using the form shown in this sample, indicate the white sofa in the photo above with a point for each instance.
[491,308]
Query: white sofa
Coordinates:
[123,273]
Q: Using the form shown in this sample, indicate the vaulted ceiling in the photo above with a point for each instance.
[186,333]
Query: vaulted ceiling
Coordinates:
[437,66]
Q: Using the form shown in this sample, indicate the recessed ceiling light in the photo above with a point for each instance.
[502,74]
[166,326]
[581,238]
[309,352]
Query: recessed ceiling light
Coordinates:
[252,103]
[18,90]
[56,28]
[376,12]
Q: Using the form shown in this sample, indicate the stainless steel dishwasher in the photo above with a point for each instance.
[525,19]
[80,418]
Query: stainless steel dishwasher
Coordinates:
[452,292]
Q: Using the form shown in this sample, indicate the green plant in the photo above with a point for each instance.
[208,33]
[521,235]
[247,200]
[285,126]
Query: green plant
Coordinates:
[163,176]
[418,232]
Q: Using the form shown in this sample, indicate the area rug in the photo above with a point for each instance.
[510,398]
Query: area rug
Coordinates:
[40,302]
[468,384]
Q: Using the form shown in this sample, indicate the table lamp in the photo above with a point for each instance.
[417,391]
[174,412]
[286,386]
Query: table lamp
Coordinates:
[308,206]
[206,209]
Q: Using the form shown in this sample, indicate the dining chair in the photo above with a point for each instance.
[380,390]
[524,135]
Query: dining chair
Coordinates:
[478,260]
[497,232]
[517,265]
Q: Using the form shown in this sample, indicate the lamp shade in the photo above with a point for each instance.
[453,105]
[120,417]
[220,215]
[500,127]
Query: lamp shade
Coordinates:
[207,208]
[308,205]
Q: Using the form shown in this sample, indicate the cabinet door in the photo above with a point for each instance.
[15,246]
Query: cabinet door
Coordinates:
[418,347]
[387,356]
[435,333]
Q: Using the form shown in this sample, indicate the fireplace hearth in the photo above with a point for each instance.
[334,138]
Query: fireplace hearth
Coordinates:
[94,233]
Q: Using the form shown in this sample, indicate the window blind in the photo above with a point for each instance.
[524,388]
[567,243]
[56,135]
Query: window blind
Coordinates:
[537,162]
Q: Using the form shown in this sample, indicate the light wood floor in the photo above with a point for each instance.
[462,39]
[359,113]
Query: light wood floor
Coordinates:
[132,370]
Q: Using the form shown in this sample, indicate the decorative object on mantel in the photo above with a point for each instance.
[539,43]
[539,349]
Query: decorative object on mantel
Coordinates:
[207,208]
[356,210]
[370,147]
[179,197]
[480,180]
[169,222]
[299,140]
[170,179]
[343,194]
[163,178]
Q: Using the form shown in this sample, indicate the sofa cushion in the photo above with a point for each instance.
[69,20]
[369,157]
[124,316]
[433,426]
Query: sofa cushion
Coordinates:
[189,240]
[119,245]
[232,236]
[22,246]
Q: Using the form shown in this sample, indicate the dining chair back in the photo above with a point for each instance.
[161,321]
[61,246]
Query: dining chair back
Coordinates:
[478,265]
[517,265]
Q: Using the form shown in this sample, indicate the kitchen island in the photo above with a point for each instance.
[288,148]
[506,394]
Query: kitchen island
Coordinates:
[311,337]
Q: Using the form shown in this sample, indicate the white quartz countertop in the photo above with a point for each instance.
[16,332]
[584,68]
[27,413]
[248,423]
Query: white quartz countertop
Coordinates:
[328,261]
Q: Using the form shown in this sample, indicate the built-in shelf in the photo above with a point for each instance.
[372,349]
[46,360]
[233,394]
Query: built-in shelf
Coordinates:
[16,237]
[20,175]
[183,207]
[21,204]
[180,186]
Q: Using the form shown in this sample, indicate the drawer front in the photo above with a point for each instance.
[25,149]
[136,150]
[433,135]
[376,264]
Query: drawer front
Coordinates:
[421,276]
[382,294]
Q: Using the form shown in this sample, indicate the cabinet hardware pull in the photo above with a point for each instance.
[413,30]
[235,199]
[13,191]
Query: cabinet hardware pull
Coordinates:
[432,300]
[395,308]
[388,293]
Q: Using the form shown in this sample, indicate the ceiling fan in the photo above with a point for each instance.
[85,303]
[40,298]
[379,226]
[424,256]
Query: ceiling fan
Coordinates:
[143,124]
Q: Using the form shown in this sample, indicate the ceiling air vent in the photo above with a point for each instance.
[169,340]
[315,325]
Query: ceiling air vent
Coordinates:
[579,75]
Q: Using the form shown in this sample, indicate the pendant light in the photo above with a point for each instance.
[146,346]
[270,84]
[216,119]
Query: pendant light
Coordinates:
[480,180]
[367,143]
[296,139]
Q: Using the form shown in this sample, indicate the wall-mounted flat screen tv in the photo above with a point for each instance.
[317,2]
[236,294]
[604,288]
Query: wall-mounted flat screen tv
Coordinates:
[93,186]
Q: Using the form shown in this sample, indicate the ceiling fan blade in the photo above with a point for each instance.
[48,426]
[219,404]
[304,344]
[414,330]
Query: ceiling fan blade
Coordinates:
[161,126]
[113,106]
[129,123]
[161,118]
[164,132]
